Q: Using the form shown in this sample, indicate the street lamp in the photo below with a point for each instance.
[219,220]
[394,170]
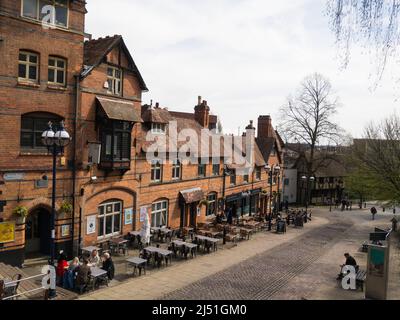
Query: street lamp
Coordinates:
[277,172]
[269,171]
[55,143]
[307,181]
[330,190]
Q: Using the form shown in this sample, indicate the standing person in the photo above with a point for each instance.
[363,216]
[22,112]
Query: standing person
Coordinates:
[108,265]
[373,212]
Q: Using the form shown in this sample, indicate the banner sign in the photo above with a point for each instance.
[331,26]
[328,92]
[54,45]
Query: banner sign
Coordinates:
[91,224]
[7,232]
[128,216]
[143,213]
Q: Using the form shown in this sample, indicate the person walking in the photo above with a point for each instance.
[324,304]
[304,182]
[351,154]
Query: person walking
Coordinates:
[373,212]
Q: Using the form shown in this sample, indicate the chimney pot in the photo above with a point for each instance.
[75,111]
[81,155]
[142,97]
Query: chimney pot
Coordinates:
[199,100]
[157,105]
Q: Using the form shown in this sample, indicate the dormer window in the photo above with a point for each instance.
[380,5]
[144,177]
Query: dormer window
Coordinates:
[114,79]
[158,128]
[34,9]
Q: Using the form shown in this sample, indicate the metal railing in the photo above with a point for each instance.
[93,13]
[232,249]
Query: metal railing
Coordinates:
[16,282]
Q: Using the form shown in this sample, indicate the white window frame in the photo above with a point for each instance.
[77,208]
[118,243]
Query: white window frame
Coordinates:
[54,3]
[114,81]
[56,70]
[158,128]
[105,215]
[162,213]
[28,64]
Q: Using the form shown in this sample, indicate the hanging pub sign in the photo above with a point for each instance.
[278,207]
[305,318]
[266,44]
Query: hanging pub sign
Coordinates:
[7,232]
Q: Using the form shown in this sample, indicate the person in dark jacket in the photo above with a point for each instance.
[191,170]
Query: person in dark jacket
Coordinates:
[82,275]
[373,212]
[350,261]
[108,265]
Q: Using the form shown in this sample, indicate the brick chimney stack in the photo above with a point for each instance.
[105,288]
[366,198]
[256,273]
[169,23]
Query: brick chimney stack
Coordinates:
[202,113]
[265,129]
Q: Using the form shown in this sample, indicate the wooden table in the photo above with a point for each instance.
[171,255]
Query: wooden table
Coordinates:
[191,246]
[164,253]
[138,263]
[90,249]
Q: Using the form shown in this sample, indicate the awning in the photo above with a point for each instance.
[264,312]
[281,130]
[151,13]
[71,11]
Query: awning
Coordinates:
[192,195]
[119,110]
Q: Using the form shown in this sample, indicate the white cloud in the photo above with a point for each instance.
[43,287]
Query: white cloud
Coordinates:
[243,56]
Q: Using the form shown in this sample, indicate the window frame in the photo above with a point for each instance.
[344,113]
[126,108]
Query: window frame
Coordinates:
[213,203]
[156,167]
[216,173]
[35,117]
[114,80]
[202,167]
[258,174]
[57,70]
[29,64]
[233,179]
[111,129]
[104,216]
[158,128]
[54,3]
[164,210]
[176,167]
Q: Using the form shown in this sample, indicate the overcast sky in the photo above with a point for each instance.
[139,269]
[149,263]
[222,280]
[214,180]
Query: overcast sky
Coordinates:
[243,56]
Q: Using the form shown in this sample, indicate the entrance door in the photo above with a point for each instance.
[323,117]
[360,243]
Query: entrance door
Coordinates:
[37,233]
[193,215]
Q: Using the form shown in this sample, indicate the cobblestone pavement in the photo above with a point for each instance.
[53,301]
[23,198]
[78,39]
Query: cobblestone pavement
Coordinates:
[263,276]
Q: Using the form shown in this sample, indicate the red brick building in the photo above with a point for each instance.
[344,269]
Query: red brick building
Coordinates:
[50,73]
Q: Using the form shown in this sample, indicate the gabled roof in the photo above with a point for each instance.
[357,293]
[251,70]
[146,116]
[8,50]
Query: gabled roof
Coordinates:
[96,50]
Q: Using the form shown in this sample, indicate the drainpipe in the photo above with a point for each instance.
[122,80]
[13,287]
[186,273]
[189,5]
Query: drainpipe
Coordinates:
[77,92]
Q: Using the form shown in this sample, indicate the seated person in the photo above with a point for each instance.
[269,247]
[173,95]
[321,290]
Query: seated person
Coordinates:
[350,261]
[108,265]
[62,266]
[69,276]
[94,259]
[82,275]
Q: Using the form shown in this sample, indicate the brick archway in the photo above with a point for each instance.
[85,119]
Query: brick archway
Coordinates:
[41,203]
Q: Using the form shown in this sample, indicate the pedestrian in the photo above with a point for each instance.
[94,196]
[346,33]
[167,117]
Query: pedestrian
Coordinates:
[373,212]
[82,275]
[94,259]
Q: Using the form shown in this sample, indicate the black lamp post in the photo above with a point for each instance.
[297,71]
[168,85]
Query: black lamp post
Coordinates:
[55,142]
[307,181]
[270,174]
[330,190]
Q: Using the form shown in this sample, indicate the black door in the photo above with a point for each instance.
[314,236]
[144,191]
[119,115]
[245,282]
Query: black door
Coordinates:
[193,215]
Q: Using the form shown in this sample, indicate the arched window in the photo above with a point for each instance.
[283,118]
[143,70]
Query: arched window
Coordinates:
[159,213]
[110,214]
[32,127]
[212,204]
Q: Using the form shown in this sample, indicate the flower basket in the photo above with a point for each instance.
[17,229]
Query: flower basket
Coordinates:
[66,207]
[204,202]
[21,212]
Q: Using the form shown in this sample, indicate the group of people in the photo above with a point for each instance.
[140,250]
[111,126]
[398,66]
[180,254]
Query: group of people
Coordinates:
[75,275]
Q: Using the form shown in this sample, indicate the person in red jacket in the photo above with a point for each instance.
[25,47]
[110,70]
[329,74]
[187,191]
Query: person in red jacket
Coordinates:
[62,266]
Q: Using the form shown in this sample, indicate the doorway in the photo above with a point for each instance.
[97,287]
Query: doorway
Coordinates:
[37,233]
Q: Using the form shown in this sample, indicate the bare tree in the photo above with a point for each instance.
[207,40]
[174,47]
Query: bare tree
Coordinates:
[307,118]
[373,24]
[378,154]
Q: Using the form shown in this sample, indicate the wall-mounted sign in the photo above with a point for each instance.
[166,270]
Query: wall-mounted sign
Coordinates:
[91,225]
[7,232]
[65,230]
[17,176]
[128,216]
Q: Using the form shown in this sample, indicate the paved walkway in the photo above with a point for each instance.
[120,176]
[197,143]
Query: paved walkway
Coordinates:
[160,283]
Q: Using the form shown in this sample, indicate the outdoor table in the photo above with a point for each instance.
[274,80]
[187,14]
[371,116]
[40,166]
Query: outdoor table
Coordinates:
[134,233]
[138,263]
[98,275]
[191,246]
[120,243]
[164,253]
[90,249]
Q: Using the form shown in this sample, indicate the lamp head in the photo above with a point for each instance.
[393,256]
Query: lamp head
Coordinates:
[48,136]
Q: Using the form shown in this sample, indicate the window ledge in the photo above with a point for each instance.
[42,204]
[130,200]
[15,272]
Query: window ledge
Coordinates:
[34,154]
[28,84]
[56,87]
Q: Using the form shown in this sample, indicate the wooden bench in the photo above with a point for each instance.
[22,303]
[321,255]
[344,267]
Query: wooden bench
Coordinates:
[360,279]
